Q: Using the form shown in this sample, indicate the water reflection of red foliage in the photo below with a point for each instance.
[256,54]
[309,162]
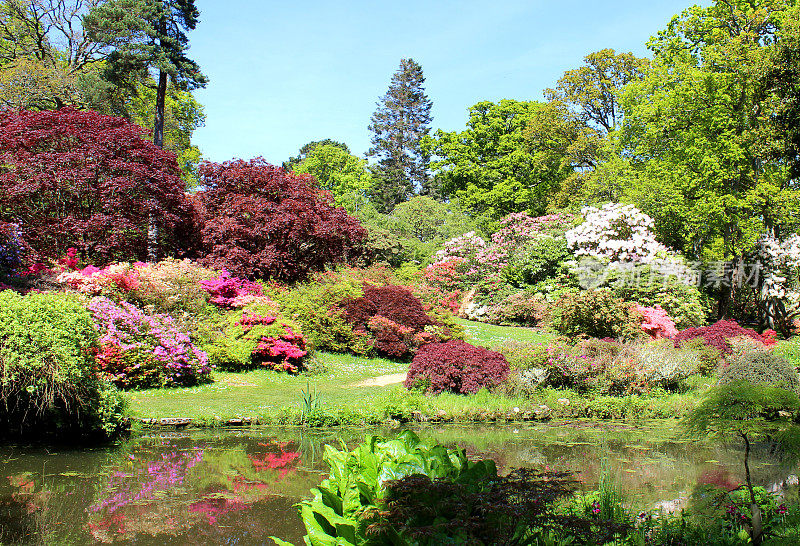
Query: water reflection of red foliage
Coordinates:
[719,477]
[284,461]
[214,507]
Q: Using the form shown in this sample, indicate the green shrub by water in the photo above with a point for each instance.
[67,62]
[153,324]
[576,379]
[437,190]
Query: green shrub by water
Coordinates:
[48,383]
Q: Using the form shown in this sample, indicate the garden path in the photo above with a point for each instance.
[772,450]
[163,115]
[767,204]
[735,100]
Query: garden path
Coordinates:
[381,380]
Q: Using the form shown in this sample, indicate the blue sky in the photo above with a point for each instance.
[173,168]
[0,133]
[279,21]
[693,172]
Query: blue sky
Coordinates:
[285,73]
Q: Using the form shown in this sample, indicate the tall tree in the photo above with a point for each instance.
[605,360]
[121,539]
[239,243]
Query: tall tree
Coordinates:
[697,129]
[401,120]
[492,167]
[306,150]
[336,170]
[46,56]
[592,90]
[145,35]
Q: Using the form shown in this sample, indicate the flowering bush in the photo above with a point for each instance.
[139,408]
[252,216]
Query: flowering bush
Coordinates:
[256,337]
[780,280]
[464,246]
[232,292]
[615,233]
[113,280]
[10,251]
[457,367]
[656,322]
[142,351]
[171,286]
[523,308]
[719,334]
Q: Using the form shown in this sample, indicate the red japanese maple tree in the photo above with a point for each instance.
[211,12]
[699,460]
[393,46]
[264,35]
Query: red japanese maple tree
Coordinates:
[81,179]
[262,222]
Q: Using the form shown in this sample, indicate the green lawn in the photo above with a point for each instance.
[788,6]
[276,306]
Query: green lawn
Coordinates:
[262,394]
[276,397]
[493,337]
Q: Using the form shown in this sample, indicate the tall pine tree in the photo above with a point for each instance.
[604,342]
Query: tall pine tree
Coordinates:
[403,117]
[147,35]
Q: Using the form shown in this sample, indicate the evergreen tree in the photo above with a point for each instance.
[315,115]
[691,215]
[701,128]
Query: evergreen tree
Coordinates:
[147,34]
[144,35]
[403,117]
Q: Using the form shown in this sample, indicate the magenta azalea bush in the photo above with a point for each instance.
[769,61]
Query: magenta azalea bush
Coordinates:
[258,338]
[138,350]
[232,292]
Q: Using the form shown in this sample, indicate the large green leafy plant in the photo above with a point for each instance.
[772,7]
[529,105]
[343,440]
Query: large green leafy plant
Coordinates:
[344,505]
[48,382]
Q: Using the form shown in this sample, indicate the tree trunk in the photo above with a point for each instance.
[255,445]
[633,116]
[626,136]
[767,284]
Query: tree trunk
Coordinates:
[757,532]
[161,98]
[158,140]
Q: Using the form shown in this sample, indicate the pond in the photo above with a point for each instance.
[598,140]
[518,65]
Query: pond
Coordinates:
[239,486]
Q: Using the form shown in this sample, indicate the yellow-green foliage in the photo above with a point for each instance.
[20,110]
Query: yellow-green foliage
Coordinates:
[313,306]
[48,382]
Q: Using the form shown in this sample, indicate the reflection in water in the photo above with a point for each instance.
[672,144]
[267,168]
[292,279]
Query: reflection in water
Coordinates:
[240,486]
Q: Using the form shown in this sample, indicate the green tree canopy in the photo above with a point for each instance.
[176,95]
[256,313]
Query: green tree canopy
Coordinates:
[492,167]
[292,162]
[336,170]
[695,131]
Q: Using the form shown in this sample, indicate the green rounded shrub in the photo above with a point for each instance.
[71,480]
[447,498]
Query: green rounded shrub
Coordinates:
[595,313]
[762,368]
[48,382]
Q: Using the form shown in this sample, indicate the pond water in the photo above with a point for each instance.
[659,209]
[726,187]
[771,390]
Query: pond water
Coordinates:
[239,486]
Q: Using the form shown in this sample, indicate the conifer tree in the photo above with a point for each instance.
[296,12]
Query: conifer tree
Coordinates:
[402,118]
[145,35]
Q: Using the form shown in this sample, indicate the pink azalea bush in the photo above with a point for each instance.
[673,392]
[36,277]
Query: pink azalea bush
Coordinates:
[656,322]
[138,350]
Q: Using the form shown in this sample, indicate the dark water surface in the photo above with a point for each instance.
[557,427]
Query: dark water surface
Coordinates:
[239,486]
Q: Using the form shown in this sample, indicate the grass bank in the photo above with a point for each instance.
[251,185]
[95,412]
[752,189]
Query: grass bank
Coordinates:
[274,398]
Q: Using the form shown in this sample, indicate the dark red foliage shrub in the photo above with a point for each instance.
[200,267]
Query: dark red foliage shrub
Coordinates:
[88,181]
[718,334]
[457,367]
[393,315]
[261,222]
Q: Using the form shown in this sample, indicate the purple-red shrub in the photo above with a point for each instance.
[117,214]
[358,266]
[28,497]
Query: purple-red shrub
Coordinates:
[259,221]
[457,367]
[88,181]
[393,315]
[718,334]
